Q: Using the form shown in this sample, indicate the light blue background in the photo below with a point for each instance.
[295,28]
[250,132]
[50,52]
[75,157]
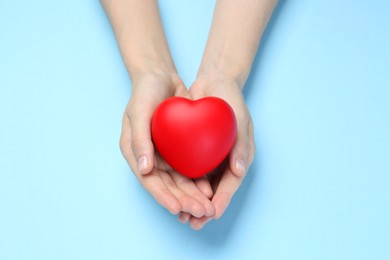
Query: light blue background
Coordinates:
[319,94]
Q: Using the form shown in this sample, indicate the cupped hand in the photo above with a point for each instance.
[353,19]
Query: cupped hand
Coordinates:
[171,190]
[227,178]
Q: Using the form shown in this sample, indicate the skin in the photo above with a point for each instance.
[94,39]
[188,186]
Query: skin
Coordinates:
[224,69]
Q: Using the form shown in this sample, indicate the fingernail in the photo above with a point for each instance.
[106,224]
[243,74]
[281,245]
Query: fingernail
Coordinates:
[186,218]
[240,166]
[142,164]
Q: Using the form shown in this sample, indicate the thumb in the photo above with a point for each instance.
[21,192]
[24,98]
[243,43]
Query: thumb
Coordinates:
[141,143]
[239,154]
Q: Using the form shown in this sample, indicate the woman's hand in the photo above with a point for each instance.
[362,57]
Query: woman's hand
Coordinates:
[225,66]
[227,178]
[170,189]
[144,48]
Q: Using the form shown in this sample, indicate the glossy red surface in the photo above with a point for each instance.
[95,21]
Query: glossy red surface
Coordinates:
[194,137]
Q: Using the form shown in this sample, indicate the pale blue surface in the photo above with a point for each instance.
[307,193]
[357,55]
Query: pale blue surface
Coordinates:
[319,94]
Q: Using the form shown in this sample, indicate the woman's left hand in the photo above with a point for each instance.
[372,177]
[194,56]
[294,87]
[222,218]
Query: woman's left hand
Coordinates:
[228,177]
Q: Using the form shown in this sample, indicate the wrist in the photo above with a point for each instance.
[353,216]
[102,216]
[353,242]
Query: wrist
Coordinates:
[139,67]
[223,68]
[213,73]
[163,79]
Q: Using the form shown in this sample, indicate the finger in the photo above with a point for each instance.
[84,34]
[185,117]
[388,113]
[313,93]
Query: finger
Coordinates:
[141,141]
[157,188]
[228,185]
[251,140]
[152,182]
[188,203]
[184,217]
[188,186]
[215,175]
[204,186]
[238,157]
[199,223]
[125,144]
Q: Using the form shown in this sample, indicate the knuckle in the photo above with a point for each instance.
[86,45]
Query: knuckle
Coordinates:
[183,181]
[124,146]
[136,145]
[170,183]
[122,142]
[198,208]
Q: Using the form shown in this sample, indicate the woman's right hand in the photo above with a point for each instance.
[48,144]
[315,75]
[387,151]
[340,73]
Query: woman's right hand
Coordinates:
[171,190]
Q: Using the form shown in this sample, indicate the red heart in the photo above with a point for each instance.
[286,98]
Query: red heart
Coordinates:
[194,137]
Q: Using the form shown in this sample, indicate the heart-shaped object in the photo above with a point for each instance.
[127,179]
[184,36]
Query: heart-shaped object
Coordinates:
[194,136]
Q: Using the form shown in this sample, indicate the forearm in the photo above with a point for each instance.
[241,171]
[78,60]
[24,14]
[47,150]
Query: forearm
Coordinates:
[140,36]
[234,37]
